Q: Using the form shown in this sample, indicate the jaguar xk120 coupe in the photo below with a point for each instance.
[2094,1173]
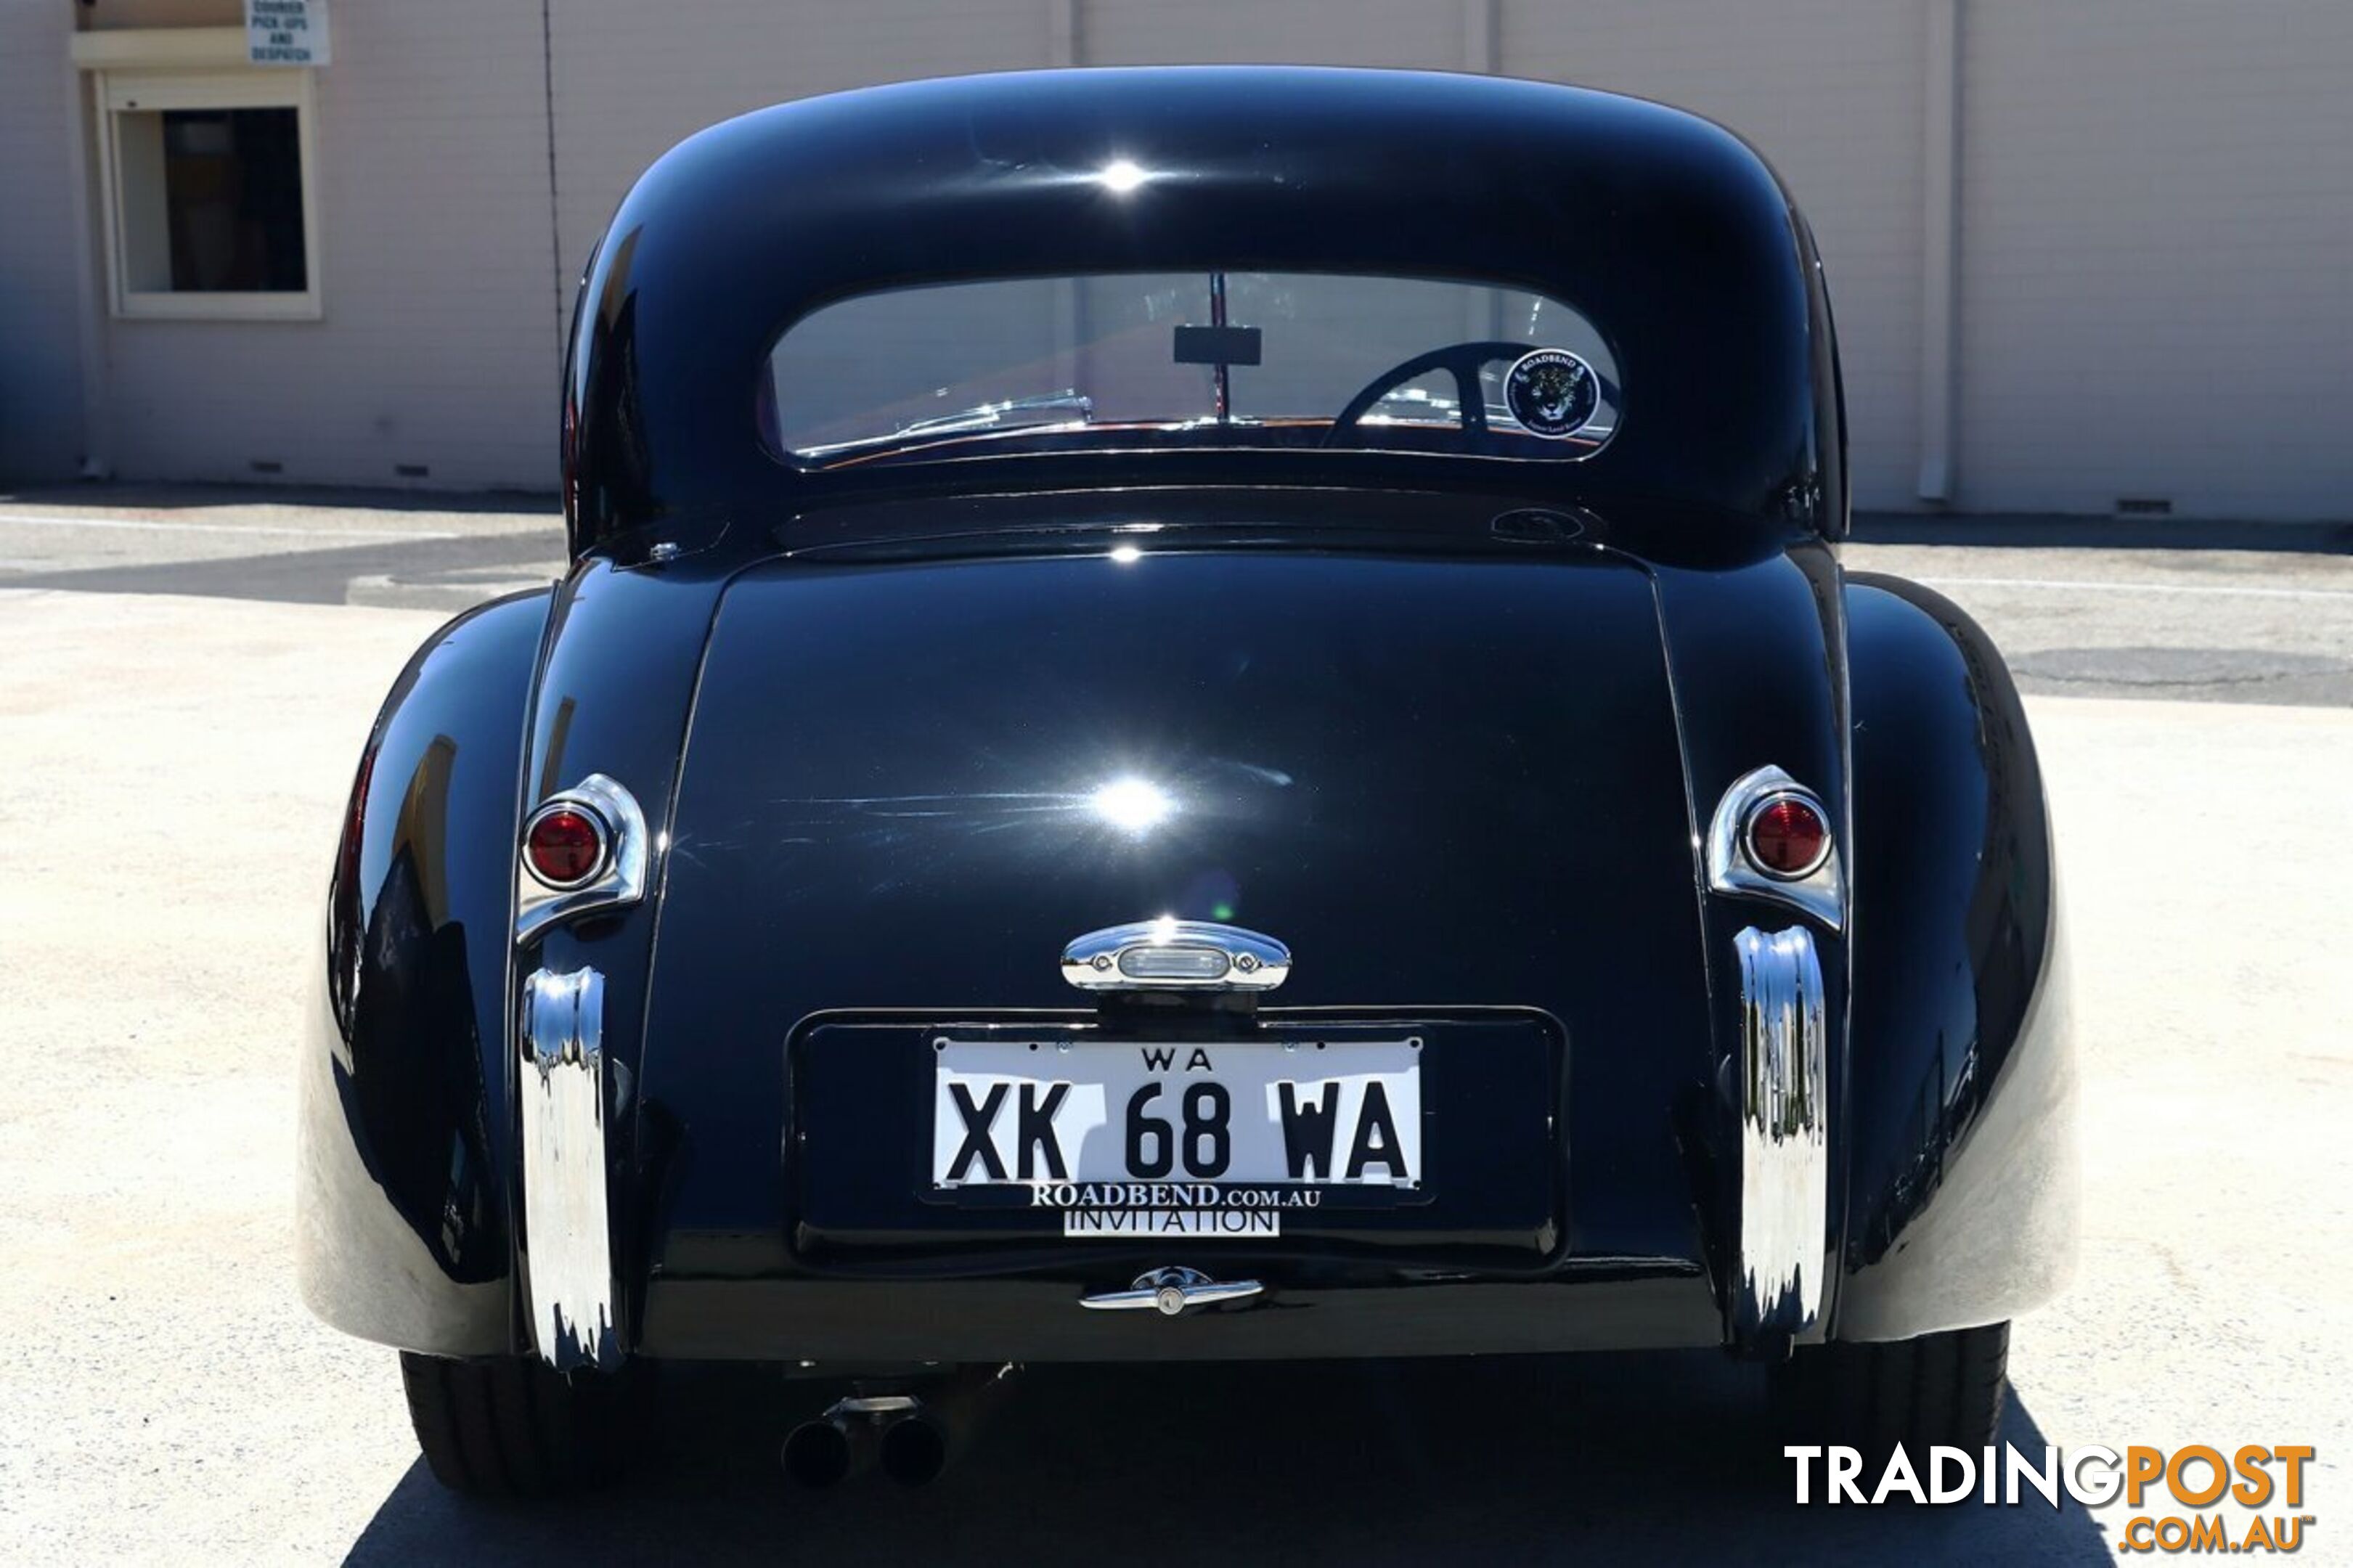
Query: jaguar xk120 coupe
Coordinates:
[1200,713]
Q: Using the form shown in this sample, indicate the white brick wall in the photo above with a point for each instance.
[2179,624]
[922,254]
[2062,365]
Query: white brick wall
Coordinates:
[2157,215]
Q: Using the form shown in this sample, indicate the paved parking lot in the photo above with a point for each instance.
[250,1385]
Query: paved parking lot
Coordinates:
[183,696]
[2249,613]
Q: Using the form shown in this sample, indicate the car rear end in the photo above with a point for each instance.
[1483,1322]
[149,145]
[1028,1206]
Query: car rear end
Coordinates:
[1036,917]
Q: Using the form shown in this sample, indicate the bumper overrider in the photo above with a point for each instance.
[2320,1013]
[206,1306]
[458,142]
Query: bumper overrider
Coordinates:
[1776,1293]
[561,1086]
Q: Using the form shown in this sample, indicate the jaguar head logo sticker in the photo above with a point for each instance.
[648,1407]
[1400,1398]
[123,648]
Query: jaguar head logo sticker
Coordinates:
[1552,392]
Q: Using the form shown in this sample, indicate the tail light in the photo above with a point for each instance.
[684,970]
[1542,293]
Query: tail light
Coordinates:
[584,851]
[565,846]
[1770,838]
[1786,836]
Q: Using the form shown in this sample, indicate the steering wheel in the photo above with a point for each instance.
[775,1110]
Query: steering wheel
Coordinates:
[1463,361]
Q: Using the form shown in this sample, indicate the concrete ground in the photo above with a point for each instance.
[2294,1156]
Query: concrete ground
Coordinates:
[180,709]
[2085,608]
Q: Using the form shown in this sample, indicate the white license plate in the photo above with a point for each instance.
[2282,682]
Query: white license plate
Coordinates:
[1057,1114]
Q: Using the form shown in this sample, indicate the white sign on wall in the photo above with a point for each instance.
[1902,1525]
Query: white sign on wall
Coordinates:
[286,32]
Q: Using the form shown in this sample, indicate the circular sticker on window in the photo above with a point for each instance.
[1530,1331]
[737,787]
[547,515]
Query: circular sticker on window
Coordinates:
[1552,392]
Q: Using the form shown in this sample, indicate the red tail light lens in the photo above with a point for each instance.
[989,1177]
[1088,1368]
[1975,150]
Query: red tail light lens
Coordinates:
[1787,838]
[564,846]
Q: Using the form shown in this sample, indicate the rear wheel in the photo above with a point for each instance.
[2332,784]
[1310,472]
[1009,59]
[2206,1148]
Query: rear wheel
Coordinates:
[1942,1388]
[511,1428]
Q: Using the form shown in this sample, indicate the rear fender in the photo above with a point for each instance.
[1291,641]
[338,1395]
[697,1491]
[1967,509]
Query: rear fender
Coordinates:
[405,1130]
[1755,651]
[1961,1166]
[614,692]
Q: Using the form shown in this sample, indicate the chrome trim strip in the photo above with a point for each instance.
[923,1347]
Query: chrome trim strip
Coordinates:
[1171,1293]
[567,1242]
[619,882]
[1820,893]
[1170,955]
[1784,1135]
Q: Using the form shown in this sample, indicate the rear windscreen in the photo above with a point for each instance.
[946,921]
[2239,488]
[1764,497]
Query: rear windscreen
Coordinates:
[1171,358]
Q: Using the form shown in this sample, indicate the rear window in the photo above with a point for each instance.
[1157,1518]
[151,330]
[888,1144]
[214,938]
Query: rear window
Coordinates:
[1253,359]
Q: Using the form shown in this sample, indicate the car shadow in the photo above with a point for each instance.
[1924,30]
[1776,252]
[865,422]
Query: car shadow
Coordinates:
[309,576]
[1659,1458]
[199,496]
[2032,531]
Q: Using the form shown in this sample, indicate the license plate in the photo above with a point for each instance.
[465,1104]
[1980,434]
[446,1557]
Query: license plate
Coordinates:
[1135,1138]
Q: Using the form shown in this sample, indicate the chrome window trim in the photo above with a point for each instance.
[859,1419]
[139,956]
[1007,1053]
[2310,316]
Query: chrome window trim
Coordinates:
[619,882]
[566,1232]
[1784,1136]
[1102,960]
[1820,892]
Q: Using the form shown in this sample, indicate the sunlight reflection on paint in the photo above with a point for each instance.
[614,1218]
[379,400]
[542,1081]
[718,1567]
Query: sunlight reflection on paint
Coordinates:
[1120,176]
[1126,555]
[1131,805]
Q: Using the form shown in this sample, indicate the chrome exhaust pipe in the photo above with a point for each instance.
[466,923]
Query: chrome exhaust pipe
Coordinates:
[928,1438]
[914,1451]
[817,1454]
[827,1450]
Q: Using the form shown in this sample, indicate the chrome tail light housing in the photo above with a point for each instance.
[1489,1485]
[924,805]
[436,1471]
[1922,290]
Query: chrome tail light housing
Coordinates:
[1762,818]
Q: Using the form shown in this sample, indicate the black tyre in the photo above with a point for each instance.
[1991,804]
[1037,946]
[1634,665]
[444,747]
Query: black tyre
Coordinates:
[1939,1388]
[511,1427]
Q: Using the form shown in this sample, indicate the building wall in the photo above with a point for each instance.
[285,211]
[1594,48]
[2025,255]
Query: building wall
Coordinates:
[633,80]
[440,337]
[106,15]
[1829,90]
[40,362]
[2156,206]
[2157,242]
[1402,32]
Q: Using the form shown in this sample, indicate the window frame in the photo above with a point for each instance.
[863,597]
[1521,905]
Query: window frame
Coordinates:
[142,90]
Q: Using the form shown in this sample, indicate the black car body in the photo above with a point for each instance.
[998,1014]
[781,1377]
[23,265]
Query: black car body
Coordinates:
[915,743]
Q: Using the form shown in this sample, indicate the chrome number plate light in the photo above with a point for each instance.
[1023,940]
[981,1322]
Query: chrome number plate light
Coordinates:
[1170,955]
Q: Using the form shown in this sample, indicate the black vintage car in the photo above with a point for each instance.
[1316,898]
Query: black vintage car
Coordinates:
[1200,713]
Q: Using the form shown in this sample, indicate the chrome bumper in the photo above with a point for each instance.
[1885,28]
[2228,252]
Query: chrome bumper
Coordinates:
[1783,1141]
[568,1248]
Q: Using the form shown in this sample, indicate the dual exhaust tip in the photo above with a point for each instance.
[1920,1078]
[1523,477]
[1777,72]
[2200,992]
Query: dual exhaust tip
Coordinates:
[909,1439]
[911,1449]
